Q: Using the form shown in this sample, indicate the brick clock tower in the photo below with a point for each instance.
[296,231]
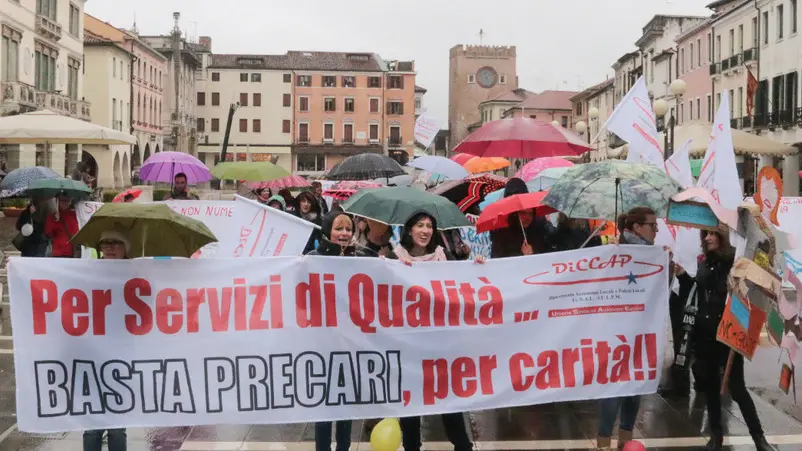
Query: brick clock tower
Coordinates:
[476,73]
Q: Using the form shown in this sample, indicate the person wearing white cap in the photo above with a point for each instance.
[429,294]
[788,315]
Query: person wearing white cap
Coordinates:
[114,245]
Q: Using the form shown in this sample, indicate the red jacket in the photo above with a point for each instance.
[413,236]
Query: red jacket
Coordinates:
[61,231]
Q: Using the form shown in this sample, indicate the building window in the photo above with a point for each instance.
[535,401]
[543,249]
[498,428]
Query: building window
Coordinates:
[395,82]
[257,126]
[286,126]
[373,132]
[243,78]
[395,136]
[47,8]
[286,100]
[698,109]
[740,102]
[45,68]
[564,121]
[215,99]
[201,99]
[114,67]
[698,52]
[502,79]
[243,99]
[417,103]
[754,32]
[348,133]
[681,61]
[374,105]
[72,78]
[793,13]
[329,104]
[201,125]
[328,132]
[114,113]
[75,20]
[10,55]
[287,78]
[215,125]
[374,82]
[329,81]
[303,132]
[709,47]
[257,99]
[303,104]
[692,60]
[718,100]
[243,125]
[471,78]
[718,47]
[256,78]
[780,21]
[732,41]
[395,107]
[304,80]
[348,105]
[310,162]
[740,38]
[349,81]
[765,27]
[709,108]
[215,76]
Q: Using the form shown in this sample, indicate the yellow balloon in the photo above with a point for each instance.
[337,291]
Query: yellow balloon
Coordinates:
[386,435]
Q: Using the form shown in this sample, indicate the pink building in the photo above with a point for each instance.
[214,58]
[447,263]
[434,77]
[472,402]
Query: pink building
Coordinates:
[693,67]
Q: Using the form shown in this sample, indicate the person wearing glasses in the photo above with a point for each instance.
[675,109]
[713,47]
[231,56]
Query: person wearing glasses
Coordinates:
[638,226]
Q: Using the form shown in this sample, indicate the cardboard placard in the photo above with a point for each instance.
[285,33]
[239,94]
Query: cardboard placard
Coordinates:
[741,325]
[692,214]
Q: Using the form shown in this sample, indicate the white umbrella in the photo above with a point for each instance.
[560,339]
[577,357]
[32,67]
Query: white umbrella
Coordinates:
[47,127]
[441,166]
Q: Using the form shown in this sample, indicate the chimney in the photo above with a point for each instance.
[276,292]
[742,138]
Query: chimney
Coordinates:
[205,42]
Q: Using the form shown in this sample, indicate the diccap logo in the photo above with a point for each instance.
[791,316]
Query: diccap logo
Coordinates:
[633,270]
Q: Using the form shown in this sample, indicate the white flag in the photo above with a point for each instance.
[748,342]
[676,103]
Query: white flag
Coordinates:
[260,231]
[426,128]
[634,121]
[679,165]
[719,173]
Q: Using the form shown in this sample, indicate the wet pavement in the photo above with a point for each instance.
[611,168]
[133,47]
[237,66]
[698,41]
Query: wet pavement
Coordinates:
[663,424]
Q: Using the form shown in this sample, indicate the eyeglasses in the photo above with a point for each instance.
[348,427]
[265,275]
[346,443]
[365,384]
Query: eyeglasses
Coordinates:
[650,224]
[111,243]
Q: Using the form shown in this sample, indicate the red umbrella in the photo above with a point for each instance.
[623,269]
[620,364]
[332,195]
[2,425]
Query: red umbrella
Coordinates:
[289,182]
[135,193]
[522,137]
[495,215]
[462,158]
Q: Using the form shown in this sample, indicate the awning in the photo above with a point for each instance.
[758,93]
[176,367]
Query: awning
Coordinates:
[336,150]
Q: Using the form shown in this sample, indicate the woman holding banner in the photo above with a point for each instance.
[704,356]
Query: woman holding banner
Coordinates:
[114,246]
[420,243]
[710,355]
[309,210]
[337,231]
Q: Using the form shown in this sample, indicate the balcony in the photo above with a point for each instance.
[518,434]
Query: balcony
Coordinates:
[735,123]
[735,61]
[395,141]
[746,122]
[715,69]
[750,55]
[725,64]
[785,118]
[48,28]
[303,139]
[760,120]
[20,98]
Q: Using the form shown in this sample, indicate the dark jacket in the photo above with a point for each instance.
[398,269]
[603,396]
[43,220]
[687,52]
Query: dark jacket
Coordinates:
[711,294]
[326,247]
[34,245]
[508,241]
[565,238]
[315,218]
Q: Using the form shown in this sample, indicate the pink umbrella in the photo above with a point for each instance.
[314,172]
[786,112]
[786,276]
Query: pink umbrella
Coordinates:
[290,181]
[345,189]
[533,168]
[522,137]
[462,158]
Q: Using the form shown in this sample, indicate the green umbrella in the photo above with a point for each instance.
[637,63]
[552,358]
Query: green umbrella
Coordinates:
[605,189]
[153,230]
[249,171]
[75,189]
[396,205]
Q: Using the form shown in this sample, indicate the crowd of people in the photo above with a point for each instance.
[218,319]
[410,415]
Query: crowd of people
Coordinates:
[49,226]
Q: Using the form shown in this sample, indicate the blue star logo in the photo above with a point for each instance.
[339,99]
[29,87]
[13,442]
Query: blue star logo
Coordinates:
[631,278]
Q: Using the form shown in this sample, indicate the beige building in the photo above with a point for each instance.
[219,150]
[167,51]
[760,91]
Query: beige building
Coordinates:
[592,107]
[262,98]
[178,114]
[42,53]
[477,73]
[108,87]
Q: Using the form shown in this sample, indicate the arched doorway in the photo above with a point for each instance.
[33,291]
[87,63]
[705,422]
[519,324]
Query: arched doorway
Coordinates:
[136,162]
[90,165]
[118,172]
[147,152]
[126,170]
[157,148]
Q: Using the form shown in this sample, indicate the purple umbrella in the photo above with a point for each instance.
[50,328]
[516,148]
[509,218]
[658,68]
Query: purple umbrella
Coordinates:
[163,166]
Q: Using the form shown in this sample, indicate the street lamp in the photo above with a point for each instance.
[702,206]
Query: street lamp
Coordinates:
[555,123]
[581,127]
[593,115]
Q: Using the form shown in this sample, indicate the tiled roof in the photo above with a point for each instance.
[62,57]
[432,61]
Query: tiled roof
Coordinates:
[592,90]
[515,96]
[95,39]
[295,60]
[549,100]
[420,89]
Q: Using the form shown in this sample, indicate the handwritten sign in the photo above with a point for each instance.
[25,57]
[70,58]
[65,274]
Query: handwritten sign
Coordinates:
[426,128]
[692,214]
[740,326]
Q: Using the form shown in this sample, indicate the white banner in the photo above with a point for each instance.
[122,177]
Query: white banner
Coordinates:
[260,231]
[634,121]
[719,173]
[426,128]
[216,214]
[159,343]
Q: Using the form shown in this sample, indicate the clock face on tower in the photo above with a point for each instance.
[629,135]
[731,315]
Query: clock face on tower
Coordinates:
[486,77]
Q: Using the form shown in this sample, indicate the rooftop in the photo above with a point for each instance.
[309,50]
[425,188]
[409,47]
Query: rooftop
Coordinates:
[514,96]
[301,60]
[593,90]
[549,100]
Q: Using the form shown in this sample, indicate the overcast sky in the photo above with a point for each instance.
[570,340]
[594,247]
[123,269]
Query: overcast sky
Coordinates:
[562,44]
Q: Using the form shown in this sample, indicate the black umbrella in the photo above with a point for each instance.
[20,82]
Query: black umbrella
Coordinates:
[366,166]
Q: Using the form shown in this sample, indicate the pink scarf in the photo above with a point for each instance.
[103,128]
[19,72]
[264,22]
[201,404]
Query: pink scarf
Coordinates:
[437,256]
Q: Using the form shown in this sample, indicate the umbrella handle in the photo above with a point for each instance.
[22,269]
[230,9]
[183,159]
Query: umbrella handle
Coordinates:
[523,230]
[596,231]
[615,220]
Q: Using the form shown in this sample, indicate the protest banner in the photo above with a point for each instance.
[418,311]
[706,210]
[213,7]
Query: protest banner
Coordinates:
[257,230]
[136,343]
[215,214]
[479,242]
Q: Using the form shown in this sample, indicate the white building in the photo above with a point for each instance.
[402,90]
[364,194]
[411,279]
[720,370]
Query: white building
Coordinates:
[262,98]
[108,87]
[593,107]
[420,91]
[178,115]
[42,53]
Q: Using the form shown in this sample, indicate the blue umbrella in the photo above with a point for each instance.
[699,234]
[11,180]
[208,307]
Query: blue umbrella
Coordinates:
[543,181]
[441,166]
[17,181]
